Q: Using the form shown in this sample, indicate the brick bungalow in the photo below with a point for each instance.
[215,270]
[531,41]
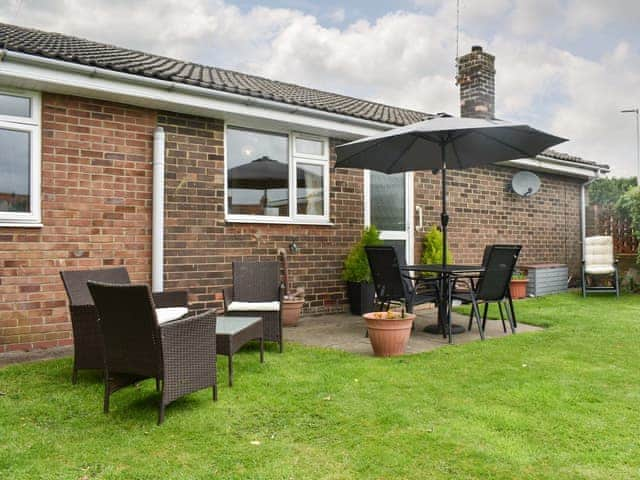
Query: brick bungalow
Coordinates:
[86,130]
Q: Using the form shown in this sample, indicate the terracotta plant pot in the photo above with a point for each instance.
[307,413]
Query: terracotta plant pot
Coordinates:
[290,312]
[518,288]
[389,332]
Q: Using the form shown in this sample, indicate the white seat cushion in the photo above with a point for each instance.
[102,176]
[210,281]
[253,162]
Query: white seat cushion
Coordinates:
[598,269]
[598,255]
[254,307]
[170,313]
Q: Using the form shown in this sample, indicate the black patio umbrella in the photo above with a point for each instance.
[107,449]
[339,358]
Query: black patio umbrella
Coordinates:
[442,143]
[263,173]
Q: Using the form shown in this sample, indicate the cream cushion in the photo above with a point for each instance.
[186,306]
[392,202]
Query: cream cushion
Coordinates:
[254,307]
[170,313]
[598,255]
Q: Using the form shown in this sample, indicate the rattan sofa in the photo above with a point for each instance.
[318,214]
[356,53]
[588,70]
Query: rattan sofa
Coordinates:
[180,354]
[257,292]
[87,338]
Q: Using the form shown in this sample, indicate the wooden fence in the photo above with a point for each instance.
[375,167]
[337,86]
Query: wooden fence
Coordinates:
[606,221]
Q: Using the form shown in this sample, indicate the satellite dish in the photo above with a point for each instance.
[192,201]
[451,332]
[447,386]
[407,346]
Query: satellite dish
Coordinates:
[525,184]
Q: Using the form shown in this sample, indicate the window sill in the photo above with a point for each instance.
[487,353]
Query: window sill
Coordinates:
[284,221]
[20,225]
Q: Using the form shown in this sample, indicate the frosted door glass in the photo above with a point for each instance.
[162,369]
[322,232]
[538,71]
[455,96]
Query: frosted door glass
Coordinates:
[388,201]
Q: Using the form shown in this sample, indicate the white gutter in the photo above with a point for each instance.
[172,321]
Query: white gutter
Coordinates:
[157,235]
[96,72]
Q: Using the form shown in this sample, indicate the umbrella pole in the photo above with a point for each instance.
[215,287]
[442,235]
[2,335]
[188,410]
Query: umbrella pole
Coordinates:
[444,221]
[444,217]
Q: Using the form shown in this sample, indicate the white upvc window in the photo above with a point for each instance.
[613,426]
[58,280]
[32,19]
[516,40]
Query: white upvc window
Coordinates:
[19,158]
[276,177]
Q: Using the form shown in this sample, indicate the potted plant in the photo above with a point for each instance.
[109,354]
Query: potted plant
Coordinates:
[389,332]
[432,249]
[292,300]
[518,285]
[357,274]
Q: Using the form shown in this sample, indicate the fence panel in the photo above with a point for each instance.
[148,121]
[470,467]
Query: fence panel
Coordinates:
[606,221]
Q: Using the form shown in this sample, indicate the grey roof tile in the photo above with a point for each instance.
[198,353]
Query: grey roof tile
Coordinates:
[77,50]
[86,52]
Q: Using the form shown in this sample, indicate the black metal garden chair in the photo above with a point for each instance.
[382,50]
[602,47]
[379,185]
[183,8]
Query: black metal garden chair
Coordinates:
[392,285]
[492,286]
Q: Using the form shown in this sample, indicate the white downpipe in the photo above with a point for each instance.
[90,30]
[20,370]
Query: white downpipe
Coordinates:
[157,235]
[583,210]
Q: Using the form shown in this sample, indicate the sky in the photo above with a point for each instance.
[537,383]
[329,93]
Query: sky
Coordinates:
[566,66]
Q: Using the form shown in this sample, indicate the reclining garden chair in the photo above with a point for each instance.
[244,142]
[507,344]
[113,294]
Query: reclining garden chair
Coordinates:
[179,353]
[392,285]
[257,292]
[599,261]
[492,286]
[87,338]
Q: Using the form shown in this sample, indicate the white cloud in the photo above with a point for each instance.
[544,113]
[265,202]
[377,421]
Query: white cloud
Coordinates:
[338,15]
[402,58]
[596,14]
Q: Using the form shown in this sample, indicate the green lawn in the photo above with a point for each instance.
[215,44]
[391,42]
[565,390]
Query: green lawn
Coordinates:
[563,403]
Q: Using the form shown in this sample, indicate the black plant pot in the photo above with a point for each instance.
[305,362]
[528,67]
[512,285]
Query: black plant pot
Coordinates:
[361,297]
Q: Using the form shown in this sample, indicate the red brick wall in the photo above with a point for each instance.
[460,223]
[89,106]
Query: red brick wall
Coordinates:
[96,211]
[483,210]
[96,198]
[200,245]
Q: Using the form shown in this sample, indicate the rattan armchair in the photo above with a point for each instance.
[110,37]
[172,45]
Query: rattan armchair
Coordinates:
[87,338]
[181,354]
[257,292]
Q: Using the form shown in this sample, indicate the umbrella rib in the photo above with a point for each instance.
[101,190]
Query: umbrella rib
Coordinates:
[505,144]
[399,157]
[455,151]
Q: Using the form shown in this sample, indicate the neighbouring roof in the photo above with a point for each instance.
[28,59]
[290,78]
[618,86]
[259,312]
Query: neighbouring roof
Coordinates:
[569,158]
[78,50]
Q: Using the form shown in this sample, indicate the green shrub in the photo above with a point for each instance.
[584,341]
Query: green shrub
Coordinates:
[607,191]
[356,265]
[432,248]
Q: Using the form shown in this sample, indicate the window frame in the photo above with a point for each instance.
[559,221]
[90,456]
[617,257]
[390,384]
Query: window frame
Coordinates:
[306,159]
[32,125]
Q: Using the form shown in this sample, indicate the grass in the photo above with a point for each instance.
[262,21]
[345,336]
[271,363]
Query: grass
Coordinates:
[562,403]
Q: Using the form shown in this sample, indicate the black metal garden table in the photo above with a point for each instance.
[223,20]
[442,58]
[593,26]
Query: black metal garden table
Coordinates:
[446,273]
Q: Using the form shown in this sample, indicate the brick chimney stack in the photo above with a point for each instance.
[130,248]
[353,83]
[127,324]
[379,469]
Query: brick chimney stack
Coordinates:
[476,78]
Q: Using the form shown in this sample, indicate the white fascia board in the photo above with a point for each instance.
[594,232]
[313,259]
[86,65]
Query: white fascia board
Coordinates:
[37,73]
[559,168]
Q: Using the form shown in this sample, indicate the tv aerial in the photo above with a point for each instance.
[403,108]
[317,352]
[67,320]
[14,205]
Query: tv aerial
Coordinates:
[525,183]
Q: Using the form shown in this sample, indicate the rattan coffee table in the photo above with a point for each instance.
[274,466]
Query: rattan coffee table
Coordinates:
[232,333]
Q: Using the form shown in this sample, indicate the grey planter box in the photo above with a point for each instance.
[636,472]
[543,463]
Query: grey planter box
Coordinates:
[546,278]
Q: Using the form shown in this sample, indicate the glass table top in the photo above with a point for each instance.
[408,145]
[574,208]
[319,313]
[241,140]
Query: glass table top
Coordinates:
[228,325]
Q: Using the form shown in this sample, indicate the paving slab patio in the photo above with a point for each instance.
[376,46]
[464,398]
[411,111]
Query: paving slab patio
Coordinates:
[344,331]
